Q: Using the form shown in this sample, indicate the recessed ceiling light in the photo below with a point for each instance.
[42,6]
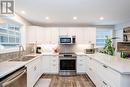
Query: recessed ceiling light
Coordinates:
[101,18]
[47,18]
[75,18]
[23,12]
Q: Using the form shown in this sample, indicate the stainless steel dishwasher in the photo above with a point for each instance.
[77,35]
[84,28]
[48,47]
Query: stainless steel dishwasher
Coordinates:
[15,79]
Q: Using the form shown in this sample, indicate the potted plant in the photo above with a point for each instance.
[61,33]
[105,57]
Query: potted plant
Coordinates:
[108,49]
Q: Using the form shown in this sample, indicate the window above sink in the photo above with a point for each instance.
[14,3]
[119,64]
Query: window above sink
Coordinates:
[10,36]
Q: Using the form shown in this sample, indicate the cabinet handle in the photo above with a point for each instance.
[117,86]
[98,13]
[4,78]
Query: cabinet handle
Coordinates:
[105,66]
[104,83]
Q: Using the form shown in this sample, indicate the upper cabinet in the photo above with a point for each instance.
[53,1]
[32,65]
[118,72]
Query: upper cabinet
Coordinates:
[50,35]
[84,35]
[42,35]
[31,34]
[89,35]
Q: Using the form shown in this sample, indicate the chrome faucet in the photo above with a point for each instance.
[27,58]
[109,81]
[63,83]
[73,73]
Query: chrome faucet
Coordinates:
[21,51]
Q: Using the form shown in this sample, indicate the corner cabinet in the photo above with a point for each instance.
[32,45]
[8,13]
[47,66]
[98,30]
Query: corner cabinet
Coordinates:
[33,72]
[50,64]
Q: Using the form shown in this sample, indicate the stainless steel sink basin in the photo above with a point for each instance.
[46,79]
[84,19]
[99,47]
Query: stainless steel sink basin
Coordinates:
[25,58]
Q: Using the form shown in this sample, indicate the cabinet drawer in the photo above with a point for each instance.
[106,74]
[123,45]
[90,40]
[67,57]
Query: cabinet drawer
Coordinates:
[109,75]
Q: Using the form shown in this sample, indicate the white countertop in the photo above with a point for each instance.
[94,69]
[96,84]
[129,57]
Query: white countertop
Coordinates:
[116,63]
[8,67]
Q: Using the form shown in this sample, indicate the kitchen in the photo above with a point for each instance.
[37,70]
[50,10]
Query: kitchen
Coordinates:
[47,47]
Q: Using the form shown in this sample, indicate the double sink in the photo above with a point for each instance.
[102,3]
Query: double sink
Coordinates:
[25,58]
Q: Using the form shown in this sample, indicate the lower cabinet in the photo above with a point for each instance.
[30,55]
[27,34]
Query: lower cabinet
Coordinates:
[104,76]
[50,64]
[33,72]
[81,64]
[93,70]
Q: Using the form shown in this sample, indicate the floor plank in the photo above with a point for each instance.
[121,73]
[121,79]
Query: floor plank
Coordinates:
[69,81]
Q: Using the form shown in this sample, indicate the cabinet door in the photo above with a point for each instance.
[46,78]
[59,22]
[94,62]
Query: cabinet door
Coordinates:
[79,36]
[33,72]
[30,76]
[54,64]
[45,64]
[92,34]
[54,35]
[41,35]
[31,34]
[89,35]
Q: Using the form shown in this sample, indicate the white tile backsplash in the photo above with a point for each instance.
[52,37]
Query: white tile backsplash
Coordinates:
[64,48]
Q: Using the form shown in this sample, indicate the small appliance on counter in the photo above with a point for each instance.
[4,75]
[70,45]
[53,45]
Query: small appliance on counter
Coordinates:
[39,50]
[89,51]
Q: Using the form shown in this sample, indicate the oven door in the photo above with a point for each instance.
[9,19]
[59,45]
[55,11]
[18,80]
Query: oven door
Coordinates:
[65,40]
[67,64]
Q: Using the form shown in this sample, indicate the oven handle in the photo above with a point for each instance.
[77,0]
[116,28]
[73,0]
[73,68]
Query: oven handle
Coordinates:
[67,58]
[13,78]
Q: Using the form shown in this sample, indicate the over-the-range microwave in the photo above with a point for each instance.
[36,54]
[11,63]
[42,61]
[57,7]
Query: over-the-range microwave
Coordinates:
[66,39]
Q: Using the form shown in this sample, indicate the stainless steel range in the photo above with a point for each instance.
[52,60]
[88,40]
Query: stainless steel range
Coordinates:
[67,63]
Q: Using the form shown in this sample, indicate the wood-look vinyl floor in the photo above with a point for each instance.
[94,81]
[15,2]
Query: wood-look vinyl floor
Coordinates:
[69,81]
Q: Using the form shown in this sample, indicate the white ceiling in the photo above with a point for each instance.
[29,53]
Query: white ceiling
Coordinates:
[87,11]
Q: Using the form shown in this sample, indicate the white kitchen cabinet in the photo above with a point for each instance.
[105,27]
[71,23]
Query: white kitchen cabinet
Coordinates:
[93,72]
[31,34]
[89,35]
[47,35]
[84,35]
[43,35]
[54,64]
[79,36]
[81,64]
[67,31]
[104,76]
[50,35]
[50,64]
[54,35]
[33,72]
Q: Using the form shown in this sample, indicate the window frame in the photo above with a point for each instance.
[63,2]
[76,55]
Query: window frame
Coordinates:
[16,33]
